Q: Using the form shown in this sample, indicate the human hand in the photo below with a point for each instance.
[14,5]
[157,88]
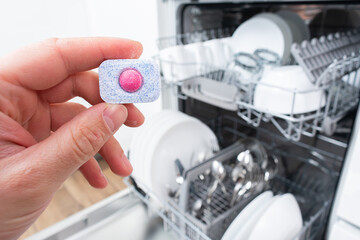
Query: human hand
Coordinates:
[43,138]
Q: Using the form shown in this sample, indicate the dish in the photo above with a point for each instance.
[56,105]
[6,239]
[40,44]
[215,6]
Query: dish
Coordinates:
[140,141]
[286,31]
[221,52]
[181,140]
[178,62]
[298,27]
[263,31]
[202,53]
[287,90]
[246,213]
[281,220]
[136,146]
[213,92]
[172,119]
[247,227]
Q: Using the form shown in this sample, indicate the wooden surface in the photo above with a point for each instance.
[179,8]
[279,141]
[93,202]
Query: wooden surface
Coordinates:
[75,195]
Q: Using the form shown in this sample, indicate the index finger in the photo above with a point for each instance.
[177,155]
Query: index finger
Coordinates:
[45,64]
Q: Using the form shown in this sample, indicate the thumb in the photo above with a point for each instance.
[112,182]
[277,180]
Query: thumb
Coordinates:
[78,140]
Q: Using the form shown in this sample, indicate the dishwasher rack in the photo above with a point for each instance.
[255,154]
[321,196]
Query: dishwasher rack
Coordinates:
[186,226]
[331,61]
[214,221]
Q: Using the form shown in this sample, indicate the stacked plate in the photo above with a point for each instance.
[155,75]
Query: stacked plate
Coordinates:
[274,32]
[164,138]
[267,217]
[300,31]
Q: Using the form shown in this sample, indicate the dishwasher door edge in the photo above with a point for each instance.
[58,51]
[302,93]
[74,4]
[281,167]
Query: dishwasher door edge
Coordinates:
[121,201]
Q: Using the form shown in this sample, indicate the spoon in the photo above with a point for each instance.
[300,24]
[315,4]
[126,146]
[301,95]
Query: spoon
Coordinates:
[272,167]
[179,169]
[219,173]
[238,172]
[243,191]
[238,175]
[246,158]
[197,208]
[236,190]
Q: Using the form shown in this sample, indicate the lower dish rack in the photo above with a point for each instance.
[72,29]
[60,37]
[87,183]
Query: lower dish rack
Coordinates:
[185,227]
[218,215]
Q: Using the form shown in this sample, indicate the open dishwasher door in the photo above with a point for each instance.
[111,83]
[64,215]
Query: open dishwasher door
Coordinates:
[120,216]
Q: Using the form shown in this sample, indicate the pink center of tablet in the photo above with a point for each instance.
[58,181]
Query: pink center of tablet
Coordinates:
[130,80]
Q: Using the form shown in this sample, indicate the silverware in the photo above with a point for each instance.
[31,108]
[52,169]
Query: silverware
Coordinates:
[246,159]
[239,171]
[236,190]
[197,208]
[242,192]
[219,173]
[201,157]
[198,158]
[272,167]
[179,169]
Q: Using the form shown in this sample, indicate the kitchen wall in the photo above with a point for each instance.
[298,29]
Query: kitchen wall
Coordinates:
[23,22]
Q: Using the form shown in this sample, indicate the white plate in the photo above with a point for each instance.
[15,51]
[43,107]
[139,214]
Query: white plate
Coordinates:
[282,220]
[181,141]
[245,229]
[172,118]
[246,213]
[299,29]
[275,92]
[286,31]
[267,31]
[138,140]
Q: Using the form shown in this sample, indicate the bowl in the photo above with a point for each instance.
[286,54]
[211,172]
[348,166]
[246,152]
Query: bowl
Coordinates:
[287,90]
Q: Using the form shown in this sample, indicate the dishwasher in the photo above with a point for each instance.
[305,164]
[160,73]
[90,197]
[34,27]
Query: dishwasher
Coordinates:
[310,136]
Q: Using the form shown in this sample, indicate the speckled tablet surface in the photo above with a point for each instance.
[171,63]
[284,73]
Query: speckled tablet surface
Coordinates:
[129,81]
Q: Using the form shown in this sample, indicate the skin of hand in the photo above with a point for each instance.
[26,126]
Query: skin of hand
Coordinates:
[43,138]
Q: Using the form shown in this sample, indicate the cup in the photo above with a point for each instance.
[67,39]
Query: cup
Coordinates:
[178,62]
[221,52]
[202,53]
[267,58]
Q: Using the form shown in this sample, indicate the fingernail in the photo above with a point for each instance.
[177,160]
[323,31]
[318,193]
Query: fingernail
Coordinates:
[127,164]
[114,116]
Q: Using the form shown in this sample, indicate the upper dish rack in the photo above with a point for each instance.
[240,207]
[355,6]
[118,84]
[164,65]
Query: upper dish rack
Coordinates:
[199,36]
[330,62]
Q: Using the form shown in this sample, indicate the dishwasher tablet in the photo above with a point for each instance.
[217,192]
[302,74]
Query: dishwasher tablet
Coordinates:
[129,81]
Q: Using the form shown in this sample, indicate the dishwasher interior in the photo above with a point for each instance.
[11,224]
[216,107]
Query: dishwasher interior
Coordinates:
[311,146]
